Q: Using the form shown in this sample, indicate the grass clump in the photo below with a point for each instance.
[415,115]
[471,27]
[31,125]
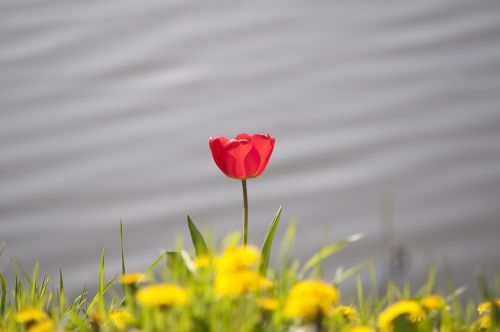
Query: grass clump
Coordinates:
[232,288]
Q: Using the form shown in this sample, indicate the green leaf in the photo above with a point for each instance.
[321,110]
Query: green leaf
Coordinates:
[231,240]
[61,282]
[177,264]
[429,285]
[156,261]
[361,297]
[328,251]
[33,281]
[61,292]
[265,253]
[43,287]
[4,294]
[288,239]
[341,275]
[200,247]
[102,306]
[78,321]
[121,246]
[79,300]
[97,297]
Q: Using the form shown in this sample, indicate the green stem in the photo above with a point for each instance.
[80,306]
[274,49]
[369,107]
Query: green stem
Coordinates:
[245,212]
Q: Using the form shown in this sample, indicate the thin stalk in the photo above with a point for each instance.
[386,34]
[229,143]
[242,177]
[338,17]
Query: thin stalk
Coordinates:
[245,211]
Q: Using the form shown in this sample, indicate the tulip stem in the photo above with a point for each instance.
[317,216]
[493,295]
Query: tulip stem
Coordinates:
[245,211]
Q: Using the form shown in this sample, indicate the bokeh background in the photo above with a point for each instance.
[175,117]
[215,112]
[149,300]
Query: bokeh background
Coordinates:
[386,117]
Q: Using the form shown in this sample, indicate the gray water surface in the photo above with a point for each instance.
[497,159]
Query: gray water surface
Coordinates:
[106,108]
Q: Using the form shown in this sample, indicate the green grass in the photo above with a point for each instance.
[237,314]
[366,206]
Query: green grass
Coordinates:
[196,271]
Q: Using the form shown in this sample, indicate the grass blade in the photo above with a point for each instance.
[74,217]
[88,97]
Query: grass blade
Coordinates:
[268,243]
[4,294]
[429,284]
[177,265]
[361,297]
[61,292]
[156,261]
[121,246]
[61,282]
[33,282]
[200,246]
[102,305]
[288,239]
[342,275]
[96,298]
[328,251]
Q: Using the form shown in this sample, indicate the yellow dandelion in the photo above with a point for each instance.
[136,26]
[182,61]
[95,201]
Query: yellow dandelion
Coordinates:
[202,262]
[484,322]
[359,328]
[310,298]
[132,278]
[237,283]
[30,315]
[43,326]
[410,309]
[268,304]
[237,259]
[433,302]
[162,295]
[120,317]
[95,316]
[346,312]
[485,307]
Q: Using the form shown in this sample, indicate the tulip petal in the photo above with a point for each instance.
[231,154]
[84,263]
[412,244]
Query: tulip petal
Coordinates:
[243,136]
[252,161]
[217,148]
[229,162]
[264,145]
[234,155]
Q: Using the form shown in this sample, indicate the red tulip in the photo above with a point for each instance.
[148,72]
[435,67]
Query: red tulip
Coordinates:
[242,157]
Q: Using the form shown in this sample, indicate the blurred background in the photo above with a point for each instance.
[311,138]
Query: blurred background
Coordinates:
[386,118]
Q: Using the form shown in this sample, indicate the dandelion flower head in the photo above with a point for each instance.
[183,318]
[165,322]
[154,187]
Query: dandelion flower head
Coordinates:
[43,326]
[237,283]
[30,315]
[236,259]
[162,295]
[433,302]
[310,298]
[132,278]
[410,309]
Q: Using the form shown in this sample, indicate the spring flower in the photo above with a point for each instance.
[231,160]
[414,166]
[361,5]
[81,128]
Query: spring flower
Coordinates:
[309,299]
[268,304]
[433,302]
[236,272]
[412,310]
[95,316]
[120,317]
[237,259]
[132,278]
[30,315]
[237,283]
[43,326]
[242,157]
[359,328]
[346,312]
[484,322]
[485,307]
[162,295]
[202,262]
